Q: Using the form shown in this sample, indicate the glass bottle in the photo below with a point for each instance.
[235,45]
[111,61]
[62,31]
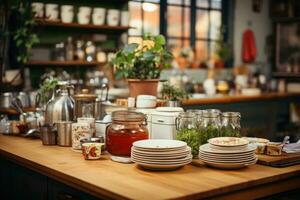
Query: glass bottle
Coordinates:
[69,49]
[231,126]
[210,125]
[59,51]
[90,51]
[187,131]
[126,128]
[79,55]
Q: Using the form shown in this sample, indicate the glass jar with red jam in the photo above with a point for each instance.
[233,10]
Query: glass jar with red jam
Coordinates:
[126,128]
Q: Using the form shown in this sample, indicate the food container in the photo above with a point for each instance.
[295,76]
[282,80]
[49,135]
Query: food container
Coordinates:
[90,121]
[97,139]
[64,134]
[67,13]
[113,17]
[126,128]
[48,135]
[52,11]
[38,9]
[210,125]
[91,150]
[5,99]
[231,126]
[146,101]
[80,131]
[98,16]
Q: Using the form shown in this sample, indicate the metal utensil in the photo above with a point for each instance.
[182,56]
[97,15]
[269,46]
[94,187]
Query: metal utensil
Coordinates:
[33,133]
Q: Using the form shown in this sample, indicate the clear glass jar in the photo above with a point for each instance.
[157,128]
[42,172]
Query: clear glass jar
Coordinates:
[231,126]
[198,113]
[187,131]
[126,128]
[210,125]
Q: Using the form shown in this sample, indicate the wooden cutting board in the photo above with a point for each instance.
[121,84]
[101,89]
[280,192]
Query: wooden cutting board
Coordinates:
[283,160]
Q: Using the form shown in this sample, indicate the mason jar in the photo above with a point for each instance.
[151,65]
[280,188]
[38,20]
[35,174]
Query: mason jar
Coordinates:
[126,128]
[187,131]
[210,124]
[231,126]
[198,113]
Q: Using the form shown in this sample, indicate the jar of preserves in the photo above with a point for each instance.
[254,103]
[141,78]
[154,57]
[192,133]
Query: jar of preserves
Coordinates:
[126,128]
[187,131]
[210,125]
[231,126]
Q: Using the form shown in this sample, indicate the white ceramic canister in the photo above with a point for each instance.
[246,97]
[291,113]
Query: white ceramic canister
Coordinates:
[98,16]
[124,18]
[90,121]
[38,9]
[80,131]
[52,11]
[67,13]
[113,17]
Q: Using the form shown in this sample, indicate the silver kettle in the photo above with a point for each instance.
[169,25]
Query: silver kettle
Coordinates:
[63,105]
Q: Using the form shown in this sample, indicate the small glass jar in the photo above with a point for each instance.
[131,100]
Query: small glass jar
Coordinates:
[187,131]
[231,126]
[198,113]
[126,128]
[210,125]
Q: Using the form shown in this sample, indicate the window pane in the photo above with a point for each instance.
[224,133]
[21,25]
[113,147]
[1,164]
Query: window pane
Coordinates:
[151,20]
[212,50]
[215,24]
[201,51]
[216,4]
[201,24]
[186,43]
[187,22]
[175,1]
[135,10]
[174,45]
[202,3]
[187,2]
[174,21]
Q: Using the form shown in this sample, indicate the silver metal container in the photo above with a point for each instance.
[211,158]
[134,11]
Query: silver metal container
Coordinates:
[173,103]
[24,98]
[48,135]
[49,109]
[5,99]
[64,134]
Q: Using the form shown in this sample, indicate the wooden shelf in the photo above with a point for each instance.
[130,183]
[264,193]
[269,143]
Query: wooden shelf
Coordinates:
[43,22]
[63,63]
[286,75]
[11,111]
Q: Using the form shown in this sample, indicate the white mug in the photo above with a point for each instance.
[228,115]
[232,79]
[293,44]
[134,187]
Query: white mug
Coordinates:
[52,11]
[98,16]
[113,17]
[38,9]
[67,13]
[124,18]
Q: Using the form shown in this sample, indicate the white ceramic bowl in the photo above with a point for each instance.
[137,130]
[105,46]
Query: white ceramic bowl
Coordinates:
[146,101]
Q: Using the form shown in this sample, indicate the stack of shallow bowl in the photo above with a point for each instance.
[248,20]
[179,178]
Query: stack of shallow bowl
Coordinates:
[228,153]
[157,154]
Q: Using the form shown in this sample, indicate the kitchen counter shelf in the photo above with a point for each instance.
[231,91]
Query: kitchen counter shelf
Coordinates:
[48,23]
[63,63]
[110,180]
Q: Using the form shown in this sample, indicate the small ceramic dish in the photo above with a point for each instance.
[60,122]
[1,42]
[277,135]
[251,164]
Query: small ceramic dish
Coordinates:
[91,150]
[228,141]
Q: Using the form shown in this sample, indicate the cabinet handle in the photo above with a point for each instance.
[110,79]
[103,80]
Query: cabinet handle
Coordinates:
[160,120]
[64,196]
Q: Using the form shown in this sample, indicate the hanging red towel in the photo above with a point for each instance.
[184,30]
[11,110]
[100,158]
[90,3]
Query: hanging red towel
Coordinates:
[249,48]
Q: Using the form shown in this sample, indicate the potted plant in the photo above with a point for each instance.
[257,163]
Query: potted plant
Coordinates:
[173,95]
[141,64]
[223,51]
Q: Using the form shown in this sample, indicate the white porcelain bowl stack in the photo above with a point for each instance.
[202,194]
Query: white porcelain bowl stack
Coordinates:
[160,154]
[228,153]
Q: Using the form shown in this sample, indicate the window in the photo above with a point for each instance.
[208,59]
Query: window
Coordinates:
[187,23]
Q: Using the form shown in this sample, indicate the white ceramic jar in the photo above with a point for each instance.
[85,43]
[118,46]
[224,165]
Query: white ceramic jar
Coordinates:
[67,13]
[80,131]
[124,18]
[113,17]
[38,9]
[146,101]
[84,15]
[52,11]
[98,16]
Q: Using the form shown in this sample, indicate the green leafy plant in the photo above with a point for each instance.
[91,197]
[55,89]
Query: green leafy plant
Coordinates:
[47,86]
[172,93]
[142,61]
[23,35]
[222,49]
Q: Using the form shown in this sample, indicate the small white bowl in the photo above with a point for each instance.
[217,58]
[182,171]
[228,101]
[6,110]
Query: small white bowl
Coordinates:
[146,101]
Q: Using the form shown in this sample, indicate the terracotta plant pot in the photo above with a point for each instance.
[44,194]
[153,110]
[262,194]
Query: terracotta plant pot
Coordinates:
[138,87]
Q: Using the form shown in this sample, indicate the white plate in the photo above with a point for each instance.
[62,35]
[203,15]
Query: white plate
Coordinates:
[234,148]
[179,160]
[227,161]
[229,166]
[181,151]
[218,155]
[161,167]
[188,159]
[207,149]
[228,141]
[159,144]
[161,157]
[227,158]
[160,149]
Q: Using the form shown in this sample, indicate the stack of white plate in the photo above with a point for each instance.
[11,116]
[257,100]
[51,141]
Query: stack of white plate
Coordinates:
[159,154]
[228,153]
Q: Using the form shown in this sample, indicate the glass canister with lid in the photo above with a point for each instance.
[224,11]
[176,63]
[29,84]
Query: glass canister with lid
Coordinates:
[210,124]
[231,126]
[126,128]
[187,131]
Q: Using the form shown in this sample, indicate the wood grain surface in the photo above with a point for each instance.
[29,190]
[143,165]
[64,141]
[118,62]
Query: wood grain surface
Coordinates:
[283,160]
[239,98]
[110,180]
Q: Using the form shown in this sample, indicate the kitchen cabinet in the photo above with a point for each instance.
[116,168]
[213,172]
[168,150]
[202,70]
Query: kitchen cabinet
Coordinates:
[18,182]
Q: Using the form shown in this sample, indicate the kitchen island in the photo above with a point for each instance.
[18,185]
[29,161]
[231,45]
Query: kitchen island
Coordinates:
[59,173]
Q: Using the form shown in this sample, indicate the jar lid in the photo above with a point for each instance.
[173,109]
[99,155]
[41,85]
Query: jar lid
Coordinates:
[211,113]
[187,115]
[85,95]
[128,116]
[231,114]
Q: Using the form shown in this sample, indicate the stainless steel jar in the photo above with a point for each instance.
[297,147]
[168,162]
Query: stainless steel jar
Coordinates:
[231,126]
[5,99]
[64,134]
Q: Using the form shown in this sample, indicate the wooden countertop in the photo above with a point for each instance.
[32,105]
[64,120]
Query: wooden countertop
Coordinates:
[239,98]
[107,179]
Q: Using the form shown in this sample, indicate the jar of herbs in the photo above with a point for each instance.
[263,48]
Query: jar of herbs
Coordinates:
[210,125]
[187,131]
[231,126]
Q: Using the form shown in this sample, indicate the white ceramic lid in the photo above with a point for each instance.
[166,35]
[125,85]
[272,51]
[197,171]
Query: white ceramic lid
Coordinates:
[169,109]
[146,97]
